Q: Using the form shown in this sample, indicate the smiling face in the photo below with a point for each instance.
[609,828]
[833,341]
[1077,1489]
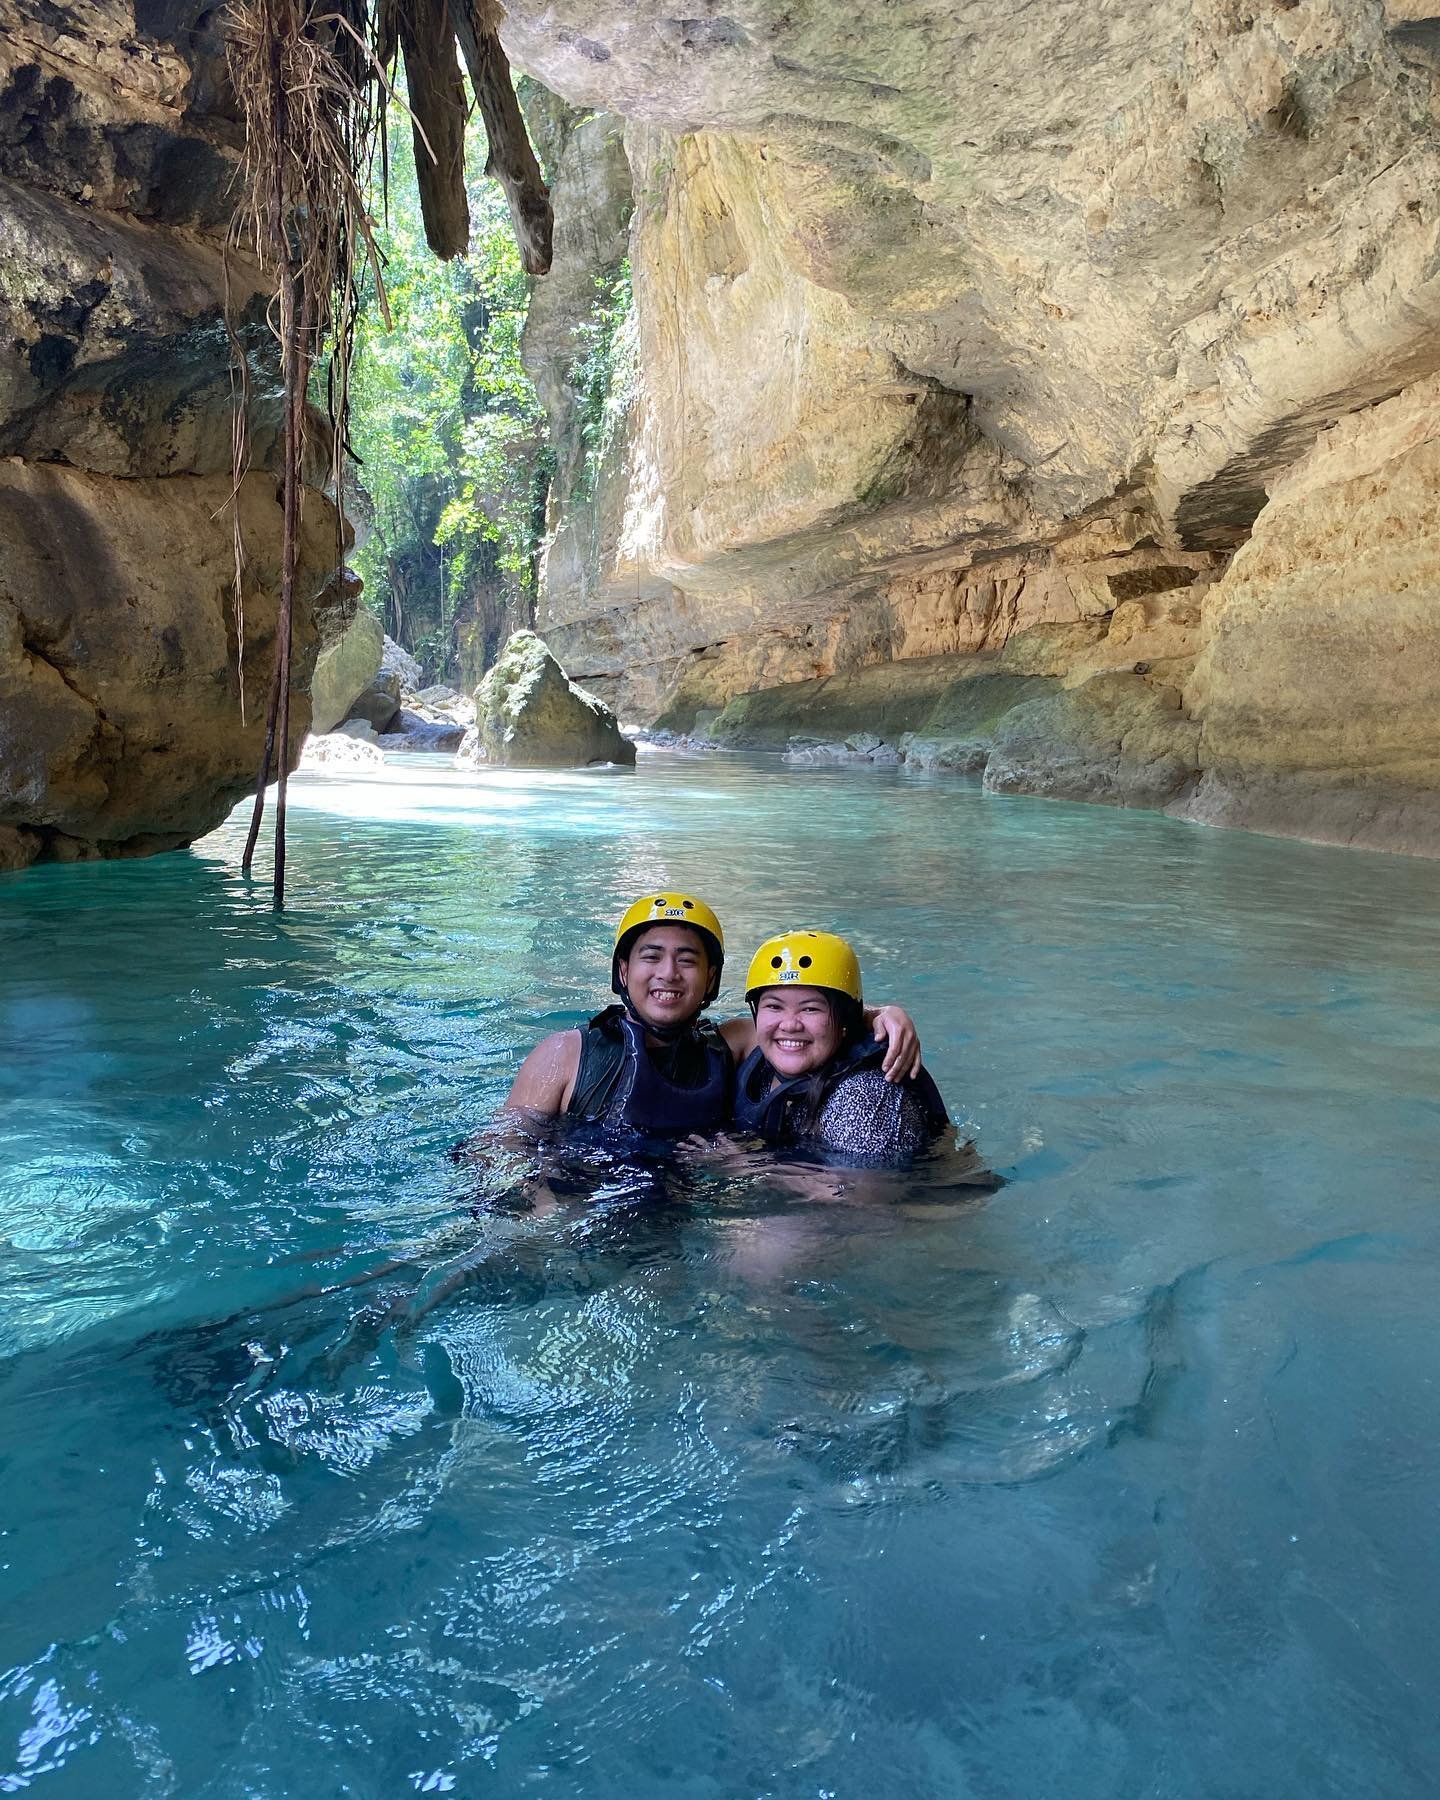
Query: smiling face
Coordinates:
[797,1029]
[666,974]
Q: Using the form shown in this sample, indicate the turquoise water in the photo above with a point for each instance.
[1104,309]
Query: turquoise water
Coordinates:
[1120,1481]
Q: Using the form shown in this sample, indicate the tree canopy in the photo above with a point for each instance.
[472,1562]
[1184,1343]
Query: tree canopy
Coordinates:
[446,429]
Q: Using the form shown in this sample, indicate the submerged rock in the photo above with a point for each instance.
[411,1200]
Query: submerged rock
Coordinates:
[1114,738]
[410,731]
[860,746]
[528,713]
[344,670]
[962,756]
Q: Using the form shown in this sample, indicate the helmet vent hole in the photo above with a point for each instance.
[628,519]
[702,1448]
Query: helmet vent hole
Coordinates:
[804,962]
[775,962]
[689,905]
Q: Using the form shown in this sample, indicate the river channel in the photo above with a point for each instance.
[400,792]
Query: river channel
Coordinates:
[1118,1481]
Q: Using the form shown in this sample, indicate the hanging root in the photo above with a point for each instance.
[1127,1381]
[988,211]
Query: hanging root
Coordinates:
[301,76]
[310,80]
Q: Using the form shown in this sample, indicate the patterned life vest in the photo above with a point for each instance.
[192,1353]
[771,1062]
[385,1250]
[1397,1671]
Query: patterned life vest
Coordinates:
[766,1104]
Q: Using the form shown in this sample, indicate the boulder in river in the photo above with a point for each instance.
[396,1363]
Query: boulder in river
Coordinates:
[396,660]
[413,731]
[344,670]
[528,713]
[859,746]
[442,697]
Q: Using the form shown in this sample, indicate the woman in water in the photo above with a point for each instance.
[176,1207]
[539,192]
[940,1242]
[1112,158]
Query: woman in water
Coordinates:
[813,1080]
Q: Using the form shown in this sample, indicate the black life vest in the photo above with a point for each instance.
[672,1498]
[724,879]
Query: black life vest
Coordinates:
[620,1082]
[765,1103]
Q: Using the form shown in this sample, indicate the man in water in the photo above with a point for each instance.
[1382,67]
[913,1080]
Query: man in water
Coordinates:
[653,1064]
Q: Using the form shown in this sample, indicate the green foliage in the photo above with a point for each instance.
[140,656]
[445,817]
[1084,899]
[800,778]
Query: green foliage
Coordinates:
[447,431]
[605,372]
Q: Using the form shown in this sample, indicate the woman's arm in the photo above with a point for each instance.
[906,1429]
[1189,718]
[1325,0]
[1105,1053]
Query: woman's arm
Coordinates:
[894,1027]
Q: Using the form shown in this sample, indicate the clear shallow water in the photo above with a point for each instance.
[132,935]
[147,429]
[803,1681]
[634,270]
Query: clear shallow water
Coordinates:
[1119,1482]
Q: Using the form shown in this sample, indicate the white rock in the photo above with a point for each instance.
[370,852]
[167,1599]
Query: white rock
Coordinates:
[339,750]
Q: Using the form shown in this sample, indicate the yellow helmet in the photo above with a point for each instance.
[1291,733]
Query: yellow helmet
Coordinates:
[804,959]
[670,909]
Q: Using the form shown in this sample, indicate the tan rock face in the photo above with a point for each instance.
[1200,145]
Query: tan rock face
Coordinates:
[775,456]
[1320,671]
[590,190]
[120,705]
[120,719]
[984,334]
[1139,235]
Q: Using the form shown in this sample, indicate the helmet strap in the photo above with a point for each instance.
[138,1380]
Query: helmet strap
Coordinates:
[664,1034]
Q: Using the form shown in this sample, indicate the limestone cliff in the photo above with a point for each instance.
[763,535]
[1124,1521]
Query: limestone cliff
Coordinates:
[120,705]
[966,339]
[1317,689]
[962,329]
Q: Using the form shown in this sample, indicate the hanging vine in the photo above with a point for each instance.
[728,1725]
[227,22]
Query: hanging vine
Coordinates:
[301,77]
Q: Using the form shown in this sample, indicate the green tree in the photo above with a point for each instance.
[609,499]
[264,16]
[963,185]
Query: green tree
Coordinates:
[446,428]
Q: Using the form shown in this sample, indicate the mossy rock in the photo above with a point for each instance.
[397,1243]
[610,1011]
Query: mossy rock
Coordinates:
[943,701]
[1115,738]
[529,714]
[344,671]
